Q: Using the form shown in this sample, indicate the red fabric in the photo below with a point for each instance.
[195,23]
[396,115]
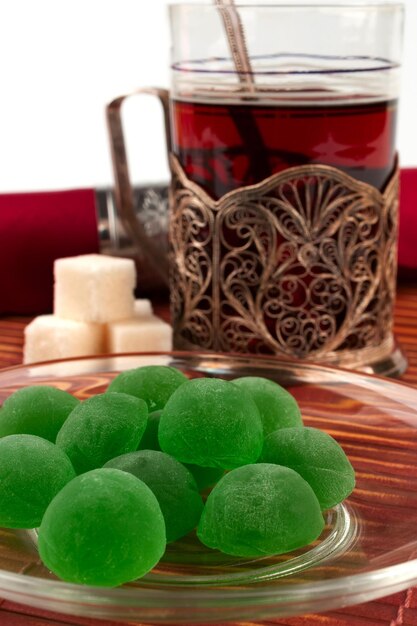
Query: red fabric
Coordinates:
[407,248]
[36,229]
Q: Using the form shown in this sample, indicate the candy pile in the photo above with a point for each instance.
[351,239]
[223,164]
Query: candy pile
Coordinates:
[112,479]
[95,313]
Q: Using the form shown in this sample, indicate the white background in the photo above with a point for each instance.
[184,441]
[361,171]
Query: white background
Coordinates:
[63,60]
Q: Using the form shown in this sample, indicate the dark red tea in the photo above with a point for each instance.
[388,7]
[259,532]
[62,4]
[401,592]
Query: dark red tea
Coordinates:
[226,146]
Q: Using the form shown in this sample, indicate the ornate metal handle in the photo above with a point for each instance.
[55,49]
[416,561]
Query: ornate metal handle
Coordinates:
[123,188]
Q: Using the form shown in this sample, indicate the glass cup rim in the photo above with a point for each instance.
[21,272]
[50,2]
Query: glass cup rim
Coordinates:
[360,64]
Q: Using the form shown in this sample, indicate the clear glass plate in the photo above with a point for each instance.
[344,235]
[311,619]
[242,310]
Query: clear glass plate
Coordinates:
[369,546]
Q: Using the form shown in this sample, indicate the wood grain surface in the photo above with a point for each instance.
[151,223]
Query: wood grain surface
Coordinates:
[396,610]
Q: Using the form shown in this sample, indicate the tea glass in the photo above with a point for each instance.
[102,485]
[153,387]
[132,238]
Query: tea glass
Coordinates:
[281,141]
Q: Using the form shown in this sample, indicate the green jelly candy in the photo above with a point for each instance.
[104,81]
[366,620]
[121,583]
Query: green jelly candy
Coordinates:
[277,407]
[149,439]
[36,410]
[213,423]
[153,383]
[102,427]
[104,528]
[172,484]
[32,471]
[204,476]
[260,510]
[317,457]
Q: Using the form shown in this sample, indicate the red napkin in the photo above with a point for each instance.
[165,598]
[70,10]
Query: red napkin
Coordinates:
[36,229]
[407,247]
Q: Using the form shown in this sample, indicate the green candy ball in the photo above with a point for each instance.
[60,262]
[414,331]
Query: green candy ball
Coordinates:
[277,407]
[260,510]
[204,476]
[213,423]
[102,428]
[172,484]
[36,410]
[104,528]
[317,457]
[153,383]
[149,440]
[32,471]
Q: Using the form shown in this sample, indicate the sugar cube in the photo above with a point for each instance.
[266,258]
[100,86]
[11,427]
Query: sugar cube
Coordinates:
[94,288]
[49,337]
[139,335]
[143,309]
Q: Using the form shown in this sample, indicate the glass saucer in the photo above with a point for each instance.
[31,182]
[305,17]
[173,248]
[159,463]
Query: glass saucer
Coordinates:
[368,548]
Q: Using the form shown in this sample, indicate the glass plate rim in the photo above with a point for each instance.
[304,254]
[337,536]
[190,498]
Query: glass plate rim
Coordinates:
[268,360]
[319,589]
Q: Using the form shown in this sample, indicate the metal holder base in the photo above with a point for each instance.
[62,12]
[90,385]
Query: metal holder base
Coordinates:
[393,364]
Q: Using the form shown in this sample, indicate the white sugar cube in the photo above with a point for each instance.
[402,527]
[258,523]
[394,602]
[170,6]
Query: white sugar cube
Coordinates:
[49,337]
[143,309]
[94,288]
[139,335]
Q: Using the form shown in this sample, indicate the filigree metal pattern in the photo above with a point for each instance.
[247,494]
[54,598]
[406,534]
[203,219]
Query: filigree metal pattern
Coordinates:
[302,264]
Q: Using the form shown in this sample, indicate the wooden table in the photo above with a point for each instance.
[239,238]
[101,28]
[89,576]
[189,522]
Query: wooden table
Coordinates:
[397,610]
